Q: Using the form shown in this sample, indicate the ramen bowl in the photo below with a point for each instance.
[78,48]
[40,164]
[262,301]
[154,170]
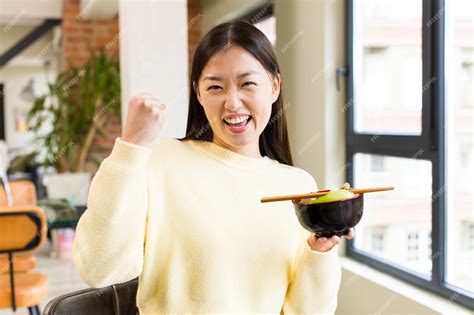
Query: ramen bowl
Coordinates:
[330,218]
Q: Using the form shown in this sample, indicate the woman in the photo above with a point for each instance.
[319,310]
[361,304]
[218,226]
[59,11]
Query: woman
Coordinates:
[185,214]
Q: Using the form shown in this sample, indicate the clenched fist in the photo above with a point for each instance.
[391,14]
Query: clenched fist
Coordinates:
[144,121]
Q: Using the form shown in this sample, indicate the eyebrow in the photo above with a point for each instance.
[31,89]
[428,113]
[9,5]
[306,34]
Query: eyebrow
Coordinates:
[216,78]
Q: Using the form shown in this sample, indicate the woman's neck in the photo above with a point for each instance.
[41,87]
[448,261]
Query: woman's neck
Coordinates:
[249,150]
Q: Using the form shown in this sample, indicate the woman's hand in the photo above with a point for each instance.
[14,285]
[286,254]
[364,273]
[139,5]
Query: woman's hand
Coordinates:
[346,185]
[324,244]
[145,119]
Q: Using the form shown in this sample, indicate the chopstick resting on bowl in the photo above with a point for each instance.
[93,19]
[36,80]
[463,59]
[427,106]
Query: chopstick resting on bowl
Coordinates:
[322,193]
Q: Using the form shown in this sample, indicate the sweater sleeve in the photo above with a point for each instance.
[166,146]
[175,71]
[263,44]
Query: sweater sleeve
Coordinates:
[110,235]
[315,276]
[315,281]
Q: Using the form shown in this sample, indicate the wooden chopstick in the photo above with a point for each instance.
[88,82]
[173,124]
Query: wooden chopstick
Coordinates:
[322,193]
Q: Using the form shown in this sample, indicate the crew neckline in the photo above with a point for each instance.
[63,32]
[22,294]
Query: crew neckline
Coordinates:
[231,158]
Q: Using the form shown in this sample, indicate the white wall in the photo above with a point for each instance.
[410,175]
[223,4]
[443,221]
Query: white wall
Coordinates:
[154,57]
[310,46]
[219,11]
[367,291]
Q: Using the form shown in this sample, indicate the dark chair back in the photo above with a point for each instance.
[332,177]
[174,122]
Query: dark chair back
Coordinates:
[117,299]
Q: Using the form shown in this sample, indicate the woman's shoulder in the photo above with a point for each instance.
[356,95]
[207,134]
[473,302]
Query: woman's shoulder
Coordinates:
[170,148]
[164,146]
[166,153]
[161,142]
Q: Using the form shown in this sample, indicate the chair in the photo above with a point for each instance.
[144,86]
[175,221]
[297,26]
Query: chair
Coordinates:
[23,231]
[117,299]
[23,193]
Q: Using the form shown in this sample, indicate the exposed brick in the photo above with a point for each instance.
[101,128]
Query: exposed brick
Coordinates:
[104,33]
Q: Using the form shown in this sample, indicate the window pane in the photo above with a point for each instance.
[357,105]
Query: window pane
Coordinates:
[388,66]
[459,142]
[396,224]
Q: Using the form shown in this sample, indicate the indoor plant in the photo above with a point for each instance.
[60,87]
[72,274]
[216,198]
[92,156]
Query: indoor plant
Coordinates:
[75,108]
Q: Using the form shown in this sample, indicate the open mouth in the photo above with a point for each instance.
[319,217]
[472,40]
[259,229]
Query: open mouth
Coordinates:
[240,124]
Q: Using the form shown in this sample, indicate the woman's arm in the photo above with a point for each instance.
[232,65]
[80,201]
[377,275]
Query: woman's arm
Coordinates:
[109,242]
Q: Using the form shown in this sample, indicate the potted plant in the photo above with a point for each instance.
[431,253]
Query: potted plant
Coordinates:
[74,110]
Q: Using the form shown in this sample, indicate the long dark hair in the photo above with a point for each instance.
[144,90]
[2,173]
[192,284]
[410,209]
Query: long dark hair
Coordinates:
[273,141]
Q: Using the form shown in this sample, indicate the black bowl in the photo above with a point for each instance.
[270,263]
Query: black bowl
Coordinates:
[330,218]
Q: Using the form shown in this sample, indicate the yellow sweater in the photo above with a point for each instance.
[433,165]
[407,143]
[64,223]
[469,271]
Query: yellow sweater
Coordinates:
[186,217]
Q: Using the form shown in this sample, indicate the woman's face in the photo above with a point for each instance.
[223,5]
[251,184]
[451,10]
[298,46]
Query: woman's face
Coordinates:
[234,83]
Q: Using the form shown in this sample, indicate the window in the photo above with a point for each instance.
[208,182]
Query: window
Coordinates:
[384,54]
[394,210]
[376,163]
[377,241]
[412,248]
[410,125]
[459,57]
[471,236]
[428,246]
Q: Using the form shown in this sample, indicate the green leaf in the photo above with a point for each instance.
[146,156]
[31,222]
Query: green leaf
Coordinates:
[77,97]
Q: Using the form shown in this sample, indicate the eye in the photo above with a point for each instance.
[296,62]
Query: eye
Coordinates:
[248,83]
[213,87]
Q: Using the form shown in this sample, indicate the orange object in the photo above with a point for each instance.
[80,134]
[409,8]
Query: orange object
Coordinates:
[24,193]
[23,262]
[31,290]
[23,231]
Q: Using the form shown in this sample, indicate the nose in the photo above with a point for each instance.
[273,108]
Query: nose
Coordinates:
[233,101]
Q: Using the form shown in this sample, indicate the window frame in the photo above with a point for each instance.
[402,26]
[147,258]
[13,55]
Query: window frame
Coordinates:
[429,145]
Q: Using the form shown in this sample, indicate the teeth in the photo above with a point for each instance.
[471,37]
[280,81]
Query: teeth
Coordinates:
[237,120]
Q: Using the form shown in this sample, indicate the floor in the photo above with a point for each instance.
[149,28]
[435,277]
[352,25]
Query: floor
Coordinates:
[62,276]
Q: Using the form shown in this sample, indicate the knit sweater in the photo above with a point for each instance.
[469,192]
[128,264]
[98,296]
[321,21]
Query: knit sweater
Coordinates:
[186,217]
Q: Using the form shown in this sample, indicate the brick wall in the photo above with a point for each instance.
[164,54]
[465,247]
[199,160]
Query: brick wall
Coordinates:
[194,27]
[78,31]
